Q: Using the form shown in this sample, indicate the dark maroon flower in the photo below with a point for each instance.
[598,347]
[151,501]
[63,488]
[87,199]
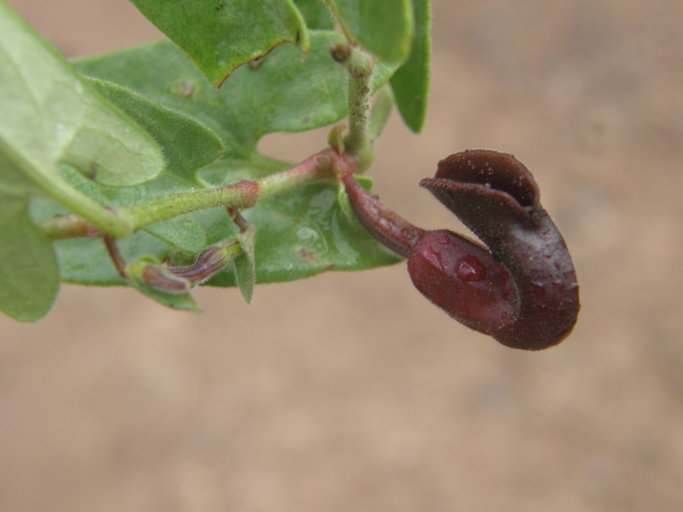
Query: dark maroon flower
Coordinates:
[522,290]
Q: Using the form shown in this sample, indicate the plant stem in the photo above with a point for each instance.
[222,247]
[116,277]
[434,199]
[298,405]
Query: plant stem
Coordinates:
[243,194]
[239,221]
[69,226]
[115,255]
[384,225]
[359,66]
[314,168]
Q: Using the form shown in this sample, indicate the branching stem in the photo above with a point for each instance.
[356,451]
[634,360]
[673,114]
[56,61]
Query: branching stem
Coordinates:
[359,66]
[384,225]
[357,152]
[243,194]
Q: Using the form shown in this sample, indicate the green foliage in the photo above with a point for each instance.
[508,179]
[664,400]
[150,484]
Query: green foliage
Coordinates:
[107,136]
[221,35]
[188,145]
[245,264]
[383,27]
[316,14]
[52,118]
[29,274]
[301,233]
[410,83]
[283,93]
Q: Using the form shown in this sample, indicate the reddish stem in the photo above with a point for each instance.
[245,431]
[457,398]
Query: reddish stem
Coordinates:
[387,227]
[115,255]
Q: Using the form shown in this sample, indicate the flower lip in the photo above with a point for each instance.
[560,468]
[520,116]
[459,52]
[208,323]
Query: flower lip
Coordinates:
[490,169]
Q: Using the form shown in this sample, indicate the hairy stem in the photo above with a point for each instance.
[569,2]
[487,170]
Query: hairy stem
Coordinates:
[314,168]
[241,223]
[359,66]
[243,194]
[384,225]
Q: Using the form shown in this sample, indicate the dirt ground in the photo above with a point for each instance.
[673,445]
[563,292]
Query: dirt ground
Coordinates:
[351,392]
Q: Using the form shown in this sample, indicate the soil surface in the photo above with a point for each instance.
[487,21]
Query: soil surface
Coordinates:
[348,391]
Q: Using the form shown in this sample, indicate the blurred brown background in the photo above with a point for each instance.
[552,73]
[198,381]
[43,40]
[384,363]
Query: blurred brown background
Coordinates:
[350,391]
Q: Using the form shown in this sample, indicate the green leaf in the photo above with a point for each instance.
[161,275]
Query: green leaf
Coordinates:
[383,27]
[379,115]
[56,118]
[283,94]
[182,232]
[316,14]
[410,83]
[221,35]
[12,180]
[245,264]
[304,232]
[137,278]
[200,145]
[187,144]
[300,233]
[53,118]
[29,275]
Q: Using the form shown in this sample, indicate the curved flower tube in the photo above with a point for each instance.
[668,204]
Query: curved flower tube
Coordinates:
[522,290]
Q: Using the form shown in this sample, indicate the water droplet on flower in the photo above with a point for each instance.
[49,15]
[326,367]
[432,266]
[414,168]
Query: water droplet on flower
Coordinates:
[470,268]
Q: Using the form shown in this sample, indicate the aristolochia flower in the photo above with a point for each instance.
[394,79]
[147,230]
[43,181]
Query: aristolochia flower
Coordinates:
[522,290]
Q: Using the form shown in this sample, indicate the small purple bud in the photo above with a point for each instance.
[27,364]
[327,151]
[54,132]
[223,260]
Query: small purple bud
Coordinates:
[211,260]
[162,279]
